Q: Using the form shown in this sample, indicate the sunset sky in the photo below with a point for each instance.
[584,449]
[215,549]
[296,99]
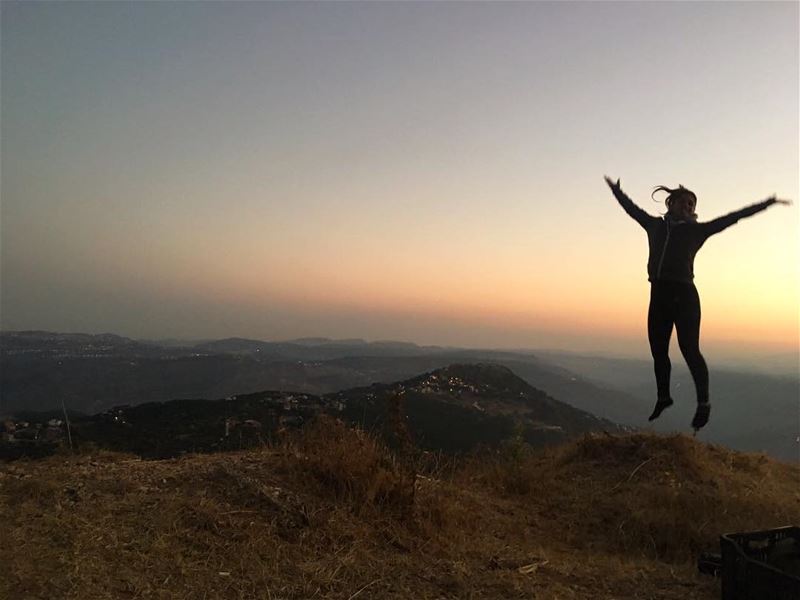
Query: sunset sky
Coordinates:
[428,172]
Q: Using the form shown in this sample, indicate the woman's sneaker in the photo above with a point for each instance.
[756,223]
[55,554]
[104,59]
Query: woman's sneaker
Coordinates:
[661,405]
[701,415]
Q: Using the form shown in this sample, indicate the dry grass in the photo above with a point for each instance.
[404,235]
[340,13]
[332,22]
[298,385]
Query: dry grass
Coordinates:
[332,513]
[352,467]
[661,497]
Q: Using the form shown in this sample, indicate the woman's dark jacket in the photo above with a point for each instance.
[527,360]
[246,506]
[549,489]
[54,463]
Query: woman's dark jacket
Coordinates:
[673,242]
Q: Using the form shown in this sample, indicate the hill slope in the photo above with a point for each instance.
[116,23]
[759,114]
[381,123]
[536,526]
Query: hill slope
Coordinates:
[460,406]
[454,409]
[329,513]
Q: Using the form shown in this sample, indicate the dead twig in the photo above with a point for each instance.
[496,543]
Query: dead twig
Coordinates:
[66,418]
[363,588]
[643,463]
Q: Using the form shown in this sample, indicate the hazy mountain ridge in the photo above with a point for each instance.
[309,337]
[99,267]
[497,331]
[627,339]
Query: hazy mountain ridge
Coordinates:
[751,411]
[82,345]
[90,382]
[13,343]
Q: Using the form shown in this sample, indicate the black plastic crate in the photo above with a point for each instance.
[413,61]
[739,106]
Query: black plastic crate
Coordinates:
[761,565]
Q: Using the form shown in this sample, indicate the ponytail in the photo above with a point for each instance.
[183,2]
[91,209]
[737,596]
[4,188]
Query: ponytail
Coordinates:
[663,188]
[672,193]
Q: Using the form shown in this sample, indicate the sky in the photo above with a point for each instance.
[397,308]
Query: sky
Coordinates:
[426,172]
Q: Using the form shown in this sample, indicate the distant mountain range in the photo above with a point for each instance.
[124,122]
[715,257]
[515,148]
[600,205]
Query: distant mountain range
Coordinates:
[92,373]
[454,409]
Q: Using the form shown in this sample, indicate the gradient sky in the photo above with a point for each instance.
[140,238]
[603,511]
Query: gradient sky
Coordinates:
[429,172]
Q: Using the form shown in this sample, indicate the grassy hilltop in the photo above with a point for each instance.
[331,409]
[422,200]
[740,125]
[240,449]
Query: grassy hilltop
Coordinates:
[329,512]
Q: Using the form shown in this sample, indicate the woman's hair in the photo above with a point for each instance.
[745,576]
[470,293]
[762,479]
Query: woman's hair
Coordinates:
[673,194]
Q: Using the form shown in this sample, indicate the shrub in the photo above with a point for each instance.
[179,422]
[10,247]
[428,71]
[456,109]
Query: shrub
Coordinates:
[353,466]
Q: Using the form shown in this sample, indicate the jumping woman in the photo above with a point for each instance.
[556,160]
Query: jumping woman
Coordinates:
[674,240]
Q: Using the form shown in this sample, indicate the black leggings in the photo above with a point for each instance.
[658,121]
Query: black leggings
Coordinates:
[676,303]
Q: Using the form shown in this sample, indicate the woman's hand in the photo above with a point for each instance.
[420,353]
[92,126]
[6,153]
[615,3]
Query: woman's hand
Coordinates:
[614,186]
[778,200]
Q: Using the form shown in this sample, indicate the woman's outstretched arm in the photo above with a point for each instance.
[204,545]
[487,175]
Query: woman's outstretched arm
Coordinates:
[628,205]
[726,221]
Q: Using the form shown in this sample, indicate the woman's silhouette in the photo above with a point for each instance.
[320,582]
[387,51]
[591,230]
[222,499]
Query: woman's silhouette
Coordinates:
[674,240]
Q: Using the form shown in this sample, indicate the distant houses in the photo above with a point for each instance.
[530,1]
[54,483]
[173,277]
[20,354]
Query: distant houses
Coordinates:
[20,438]
[25,432]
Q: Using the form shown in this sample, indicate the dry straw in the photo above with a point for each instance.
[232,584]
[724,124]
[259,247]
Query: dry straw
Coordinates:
[331,512]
